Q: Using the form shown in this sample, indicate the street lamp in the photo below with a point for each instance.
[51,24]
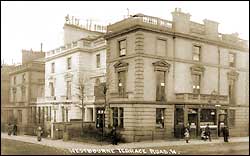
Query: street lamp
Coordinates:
[105,105]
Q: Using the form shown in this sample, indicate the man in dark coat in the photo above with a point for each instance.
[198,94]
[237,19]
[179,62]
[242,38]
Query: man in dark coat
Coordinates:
[15,129]
[208,132]
[9,129]
[114,137]
[225,132]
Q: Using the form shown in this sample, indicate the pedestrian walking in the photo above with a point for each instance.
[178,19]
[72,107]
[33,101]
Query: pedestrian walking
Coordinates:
[114,136]
[39,133]
[208,133]
[225,132]
[15,129]
[186,135]
[9,128]
[203,136]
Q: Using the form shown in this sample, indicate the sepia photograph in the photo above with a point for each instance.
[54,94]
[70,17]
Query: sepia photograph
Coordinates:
[124,77]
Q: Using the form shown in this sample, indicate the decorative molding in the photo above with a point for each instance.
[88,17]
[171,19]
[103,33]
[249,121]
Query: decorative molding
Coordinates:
[161,66]
[121,66]
[232,75]
[68,76]
[197,69]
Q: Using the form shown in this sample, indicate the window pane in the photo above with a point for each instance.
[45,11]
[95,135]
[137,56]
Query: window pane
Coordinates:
[122,44]
[231,60]
[196,53]
[98,61]
[69,63]
[208,116]
[121,83]
[121,112]
[52,67]
[179,116]
[51,89]
[68,89]
[160,117]
[231,57]
[115,112]
[160,86]
[122,47]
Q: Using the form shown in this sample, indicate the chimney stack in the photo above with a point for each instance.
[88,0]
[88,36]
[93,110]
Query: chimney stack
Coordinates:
[211,28]
[181,21]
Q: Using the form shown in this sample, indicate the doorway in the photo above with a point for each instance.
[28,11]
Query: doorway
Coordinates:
[193,122]
[222,122]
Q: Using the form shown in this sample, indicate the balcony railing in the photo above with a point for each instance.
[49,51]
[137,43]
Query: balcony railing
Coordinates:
[142,20]
[202,98]
[76,44]
[197,28]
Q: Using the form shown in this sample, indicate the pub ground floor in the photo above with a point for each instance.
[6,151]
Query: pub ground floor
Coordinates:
[151,121]
[140,121]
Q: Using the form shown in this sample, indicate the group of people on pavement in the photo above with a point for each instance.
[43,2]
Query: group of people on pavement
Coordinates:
[206,134]
[12,129]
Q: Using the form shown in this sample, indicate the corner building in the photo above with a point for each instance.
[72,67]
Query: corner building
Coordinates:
[165,75]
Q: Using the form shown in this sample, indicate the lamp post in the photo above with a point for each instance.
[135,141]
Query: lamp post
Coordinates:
[104,108]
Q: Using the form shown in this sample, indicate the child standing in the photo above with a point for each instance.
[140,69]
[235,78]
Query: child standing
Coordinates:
[186,134]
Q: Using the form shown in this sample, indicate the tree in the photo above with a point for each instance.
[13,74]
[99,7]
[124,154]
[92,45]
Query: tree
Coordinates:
[82,80]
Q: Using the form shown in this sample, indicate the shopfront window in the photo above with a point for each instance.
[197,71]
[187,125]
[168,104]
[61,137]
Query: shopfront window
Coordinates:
[160,117]
[208,116]
[179,114]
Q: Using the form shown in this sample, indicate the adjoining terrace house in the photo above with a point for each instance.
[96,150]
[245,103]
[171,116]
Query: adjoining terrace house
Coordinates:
[5,95]
[72,72]
[165,75]
[26,83]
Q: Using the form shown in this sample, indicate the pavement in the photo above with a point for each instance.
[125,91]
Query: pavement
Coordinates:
[143,144]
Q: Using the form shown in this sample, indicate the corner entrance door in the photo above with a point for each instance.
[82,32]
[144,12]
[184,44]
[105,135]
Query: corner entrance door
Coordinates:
[179,122]
[193,122]
[222,121]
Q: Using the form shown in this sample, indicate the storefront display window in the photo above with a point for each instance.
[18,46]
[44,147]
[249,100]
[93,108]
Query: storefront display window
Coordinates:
[208,116]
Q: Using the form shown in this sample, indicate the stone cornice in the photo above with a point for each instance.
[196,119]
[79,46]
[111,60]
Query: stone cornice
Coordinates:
[176,34]
[121,66]
[161,65]
[28,69]
[197,69]
[75,50]
[175,60]
[232,75]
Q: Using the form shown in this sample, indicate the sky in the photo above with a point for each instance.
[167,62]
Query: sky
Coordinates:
[25,25]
